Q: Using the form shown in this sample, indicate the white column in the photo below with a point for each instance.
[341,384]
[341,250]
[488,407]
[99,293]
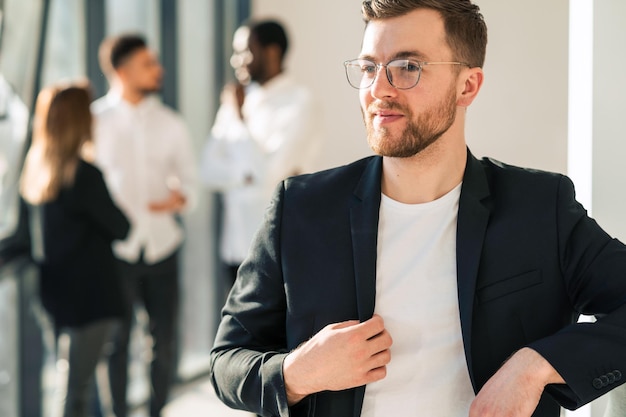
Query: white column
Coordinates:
[596,139]
[580,126]
[609,139]
[196,55]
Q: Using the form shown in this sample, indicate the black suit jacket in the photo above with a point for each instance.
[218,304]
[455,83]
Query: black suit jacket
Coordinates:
[529,261]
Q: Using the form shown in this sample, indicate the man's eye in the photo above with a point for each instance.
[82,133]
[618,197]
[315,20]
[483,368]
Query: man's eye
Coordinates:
[368,69]
[411,67]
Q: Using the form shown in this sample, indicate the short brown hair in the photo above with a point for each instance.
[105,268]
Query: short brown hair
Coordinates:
[466,31]
[115,51]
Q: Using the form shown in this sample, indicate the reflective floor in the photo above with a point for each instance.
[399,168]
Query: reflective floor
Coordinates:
[195,400]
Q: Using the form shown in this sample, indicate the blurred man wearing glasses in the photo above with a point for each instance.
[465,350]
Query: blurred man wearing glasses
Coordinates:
[265,131]
[423,281]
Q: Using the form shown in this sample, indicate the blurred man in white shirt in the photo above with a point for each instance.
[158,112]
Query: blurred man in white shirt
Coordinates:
[145,152]
[266,130]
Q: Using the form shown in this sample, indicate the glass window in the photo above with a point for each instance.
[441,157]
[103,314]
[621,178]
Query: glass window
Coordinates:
[13,130]
[64,55]
[20,38]
[17,68]
[18,64]
[141,16]
[205,27]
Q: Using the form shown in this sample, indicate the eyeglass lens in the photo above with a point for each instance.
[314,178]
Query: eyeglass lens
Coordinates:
[401,73]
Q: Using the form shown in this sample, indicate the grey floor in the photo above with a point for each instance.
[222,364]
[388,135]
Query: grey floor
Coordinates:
[193,399]
[196,400]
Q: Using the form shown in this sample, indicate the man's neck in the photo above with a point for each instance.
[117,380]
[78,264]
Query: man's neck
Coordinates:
[132,96]
[271,76]
[428,175]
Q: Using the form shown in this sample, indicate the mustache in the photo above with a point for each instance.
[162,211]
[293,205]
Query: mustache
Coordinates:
[386,105]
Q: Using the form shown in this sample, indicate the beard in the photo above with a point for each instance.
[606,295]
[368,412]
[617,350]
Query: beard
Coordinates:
[149,86]
[419,133]
[146,91]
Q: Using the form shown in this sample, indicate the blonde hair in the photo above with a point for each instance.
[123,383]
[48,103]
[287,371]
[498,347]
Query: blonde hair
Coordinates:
[62,126]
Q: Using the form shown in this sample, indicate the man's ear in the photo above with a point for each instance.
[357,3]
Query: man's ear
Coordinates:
[472,81]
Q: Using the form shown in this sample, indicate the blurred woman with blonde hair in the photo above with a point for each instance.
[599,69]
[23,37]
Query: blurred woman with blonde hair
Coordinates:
[72,222]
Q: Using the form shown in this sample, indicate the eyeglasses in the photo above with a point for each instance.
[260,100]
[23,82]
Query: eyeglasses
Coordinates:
[401,73]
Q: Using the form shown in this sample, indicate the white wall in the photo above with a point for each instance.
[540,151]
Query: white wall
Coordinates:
[520,116]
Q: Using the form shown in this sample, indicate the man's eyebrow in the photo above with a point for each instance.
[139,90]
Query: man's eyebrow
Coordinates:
[367,57]
[410,54]
[400,55]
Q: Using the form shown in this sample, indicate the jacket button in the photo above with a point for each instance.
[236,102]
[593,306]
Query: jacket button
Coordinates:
[611,377]
[597,383]
[618,375]
[605,380]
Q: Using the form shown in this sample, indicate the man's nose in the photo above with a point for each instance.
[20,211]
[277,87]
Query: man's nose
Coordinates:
[381,87]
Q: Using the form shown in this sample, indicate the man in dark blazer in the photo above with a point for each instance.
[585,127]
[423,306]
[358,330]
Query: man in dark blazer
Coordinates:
[321,321]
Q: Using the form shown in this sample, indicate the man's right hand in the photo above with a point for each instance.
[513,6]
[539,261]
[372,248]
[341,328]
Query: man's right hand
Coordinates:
[341,356]
[233,95]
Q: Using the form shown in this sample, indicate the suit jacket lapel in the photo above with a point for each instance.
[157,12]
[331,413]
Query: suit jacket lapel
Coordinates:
[473,219]
[364,226]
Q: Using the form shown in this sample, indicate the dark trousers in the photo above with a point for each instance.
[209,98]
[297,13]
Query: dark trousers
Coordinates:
[156,287]
[85,349]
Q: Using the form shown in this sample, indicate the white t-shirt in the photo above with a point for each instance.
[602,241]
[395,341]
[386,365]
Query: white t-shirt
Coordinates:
[416,295]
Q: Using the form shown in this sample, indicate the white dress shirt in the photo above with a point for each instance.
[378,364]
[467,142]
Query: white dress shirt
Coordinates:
[245,159]
[144,151]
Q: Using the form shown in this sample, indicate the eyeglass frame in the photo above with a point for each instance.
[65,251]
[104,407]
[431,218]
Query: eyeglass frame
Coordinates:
[380,65]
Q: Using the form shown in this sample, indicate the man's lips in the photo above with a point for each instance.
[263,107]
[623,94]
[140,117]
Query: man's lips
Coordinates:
[386,116]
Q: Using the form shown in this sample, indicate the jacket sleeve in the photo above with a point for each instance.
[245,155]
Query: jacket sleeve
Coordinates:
[250,346]
[589,356]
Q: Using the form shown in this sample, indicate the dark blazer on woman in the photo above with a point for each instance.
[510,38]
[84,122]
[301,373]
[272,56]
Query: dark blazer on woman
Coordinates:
[71,242]
[529,261]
